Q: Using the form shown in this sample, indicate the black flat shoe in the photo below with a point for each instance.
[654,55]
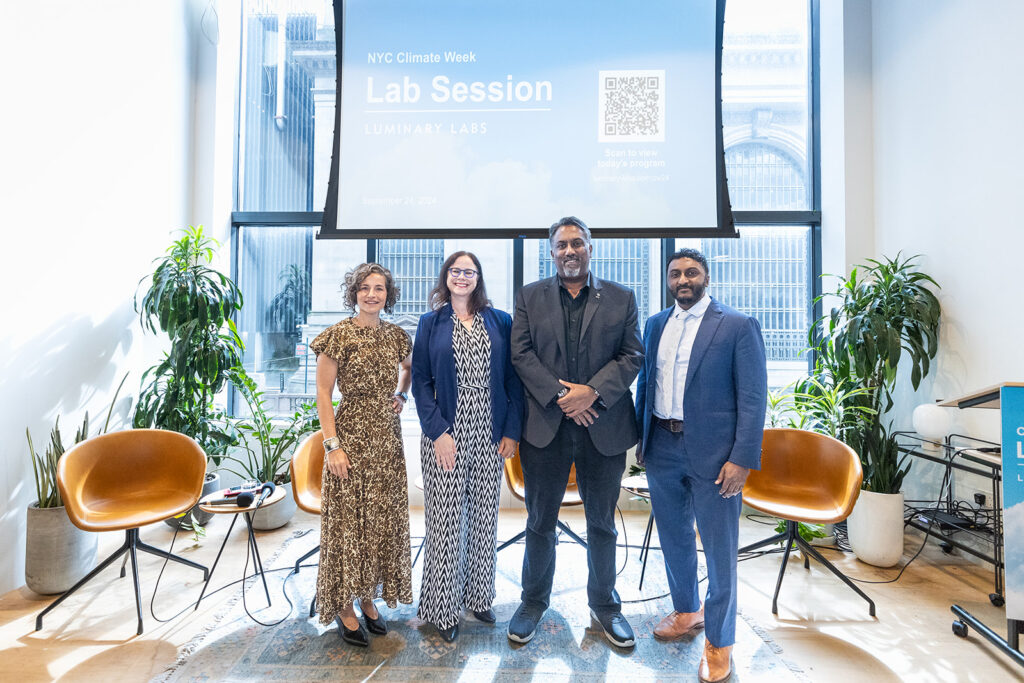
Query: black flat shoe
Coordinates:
[487,616]
[359,637]
[449,634]
[378,626]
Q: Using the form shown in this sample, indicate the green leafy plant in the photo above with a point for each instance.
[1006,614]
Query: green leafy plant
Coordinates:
[830,407]
[780,412]
[193,304]
[197,529]
[44,467]
[884,466]
[886,311]
[808,532]
[267,446]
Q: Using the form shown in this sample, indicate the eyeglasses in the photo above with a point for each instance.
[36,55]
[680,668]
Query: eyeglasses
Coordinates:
[467,273]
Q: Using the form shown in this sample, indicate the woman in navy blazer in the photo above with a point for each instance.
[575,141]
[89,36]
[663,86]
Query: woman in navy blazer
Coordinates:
[470,404]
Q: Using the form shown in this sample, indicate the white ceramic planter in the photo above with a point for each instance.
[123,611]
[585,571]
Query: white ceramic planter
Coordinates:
[57,553]
[278,514]
[875,528]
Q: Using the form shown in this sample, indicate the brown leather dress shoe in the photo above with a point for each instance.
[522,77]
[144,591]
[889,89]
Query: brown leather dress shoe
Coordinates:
[716,664]
[679,625]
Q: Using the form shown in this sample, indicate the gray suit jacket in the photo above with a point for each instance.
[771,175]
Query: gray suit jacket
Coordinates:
[610,356]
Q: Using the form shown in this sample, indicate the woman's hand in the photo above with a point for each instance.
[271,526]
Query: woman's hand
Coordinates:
[337,463]
[397,404]
[444,452]
[507,447]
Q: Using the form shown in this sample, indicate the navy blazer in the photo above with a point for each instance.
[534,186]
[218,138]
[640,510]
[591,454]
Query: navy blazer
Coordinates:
[725,396]
[434,382]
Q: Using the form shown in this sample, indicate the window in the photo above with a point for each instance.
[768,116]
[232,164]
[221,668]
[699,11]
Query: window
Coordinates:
[762,175]
[633,263]
[285,128]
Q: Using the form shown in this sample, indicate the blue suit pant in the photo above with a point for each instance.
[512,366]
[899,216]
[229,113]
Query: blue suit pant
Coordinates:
[679,495]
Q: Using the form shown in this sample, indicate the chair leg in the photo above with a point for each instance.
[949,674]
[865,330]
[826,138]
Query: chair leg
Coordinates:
[570,533]
[646,546]
[134,536]
[84,580]
[124,563]
[256,556]
[312,606]
[760,544]
[645,550]
[809,550]
[419,550]
[146,548]
[311,553]
[518,537]
[790,530]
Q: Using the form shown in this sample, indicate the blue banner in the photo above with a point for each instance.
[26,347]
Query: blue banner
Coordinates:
[1011,400]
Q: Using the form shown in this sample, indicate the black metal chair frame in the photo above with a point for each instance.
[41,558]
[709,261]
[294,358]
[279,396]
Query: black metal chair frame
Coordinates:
[561,525]
[298,566]
[790,537]
[131,544]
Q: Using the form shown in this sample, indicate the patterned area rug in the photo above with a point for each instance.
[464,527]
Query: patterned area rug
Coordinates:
[567,647]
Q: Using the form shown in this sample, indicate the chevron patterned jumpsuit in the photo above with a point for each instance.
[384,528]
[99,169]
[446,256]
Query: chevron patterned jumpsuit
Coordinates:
[461,506]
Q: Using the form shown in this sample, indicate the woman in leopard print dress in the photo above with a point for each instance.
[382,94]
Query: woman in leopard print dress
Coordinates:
[364,537]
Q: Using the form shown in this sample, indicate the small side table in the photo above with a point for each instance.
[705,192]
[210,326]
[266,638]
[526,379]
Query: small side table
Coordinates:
[274,498]
[637,485]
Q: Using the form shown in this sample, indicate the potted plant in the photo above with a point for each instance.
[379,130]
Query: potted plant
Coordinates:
[193,305]
[287,310]
[57,553]
[267,449]
[886,312]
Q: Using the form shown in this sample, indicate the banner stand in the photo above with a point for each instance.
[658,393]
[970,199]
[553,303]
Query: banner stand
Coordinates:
[1008,398]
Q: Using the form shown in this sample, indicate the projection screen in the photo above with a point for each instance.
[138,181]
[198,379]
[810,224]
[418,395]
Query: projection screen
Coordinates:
[495,118]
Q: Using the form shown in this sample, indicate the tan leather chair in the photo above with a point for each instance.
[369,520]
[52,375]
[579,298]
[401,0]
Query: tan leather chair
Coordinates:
[124,480]
[804,477]
[517,485]
[307,470]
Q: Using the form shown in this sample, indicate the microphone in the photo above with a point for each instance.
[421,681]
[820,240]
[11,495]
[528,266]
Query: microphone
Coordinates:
[266,489]
[242,500]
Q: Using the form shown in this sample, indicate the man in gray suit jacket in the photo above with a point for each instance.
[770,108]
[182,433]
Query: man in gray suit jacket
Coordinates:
[576,346]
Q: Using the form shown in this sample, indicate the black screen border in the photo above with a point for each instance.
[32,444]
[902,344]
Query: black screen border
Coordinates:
[329,226]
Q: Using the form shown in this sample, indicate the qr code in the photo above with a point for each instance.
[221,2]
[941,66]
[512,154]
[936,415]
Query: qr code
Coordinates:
[631,106]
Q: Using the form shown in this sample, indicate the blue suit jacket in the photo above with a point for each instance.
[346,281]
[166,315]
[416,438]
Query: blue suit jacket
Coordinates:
[434,382]
[726,390]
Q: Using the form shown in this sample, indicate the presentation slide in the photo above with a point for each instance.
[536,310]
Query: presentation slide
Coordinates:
[505,114]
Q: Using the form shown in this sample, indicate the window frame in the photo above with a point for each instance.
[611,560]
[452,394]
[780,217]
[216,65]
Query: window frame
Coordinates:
[809,218]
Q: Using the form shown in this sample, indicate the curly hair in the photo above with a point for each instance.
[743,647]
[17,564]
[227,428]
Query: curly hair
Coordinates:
[355,278]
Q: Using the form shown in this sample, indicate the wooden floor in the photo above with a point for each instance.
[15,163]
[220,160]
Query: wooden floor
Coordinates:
[822,626]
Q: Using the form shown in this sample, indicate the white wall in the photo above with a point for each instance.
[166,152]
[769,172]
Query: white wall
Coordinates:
[98,165]
[947,182]
[847,132]
[948,178]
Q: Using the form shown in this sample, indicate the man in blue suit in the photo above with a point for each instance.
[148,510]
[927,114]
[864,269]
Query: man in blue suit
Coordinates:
[701,398]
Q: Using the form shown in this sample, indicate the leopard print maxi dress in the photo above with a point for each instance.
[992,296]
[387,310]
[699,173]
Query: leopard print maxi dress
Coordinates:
[364,532]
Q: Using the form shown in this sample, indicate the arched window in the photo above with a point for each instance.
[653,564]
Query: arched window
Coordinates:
[764,176]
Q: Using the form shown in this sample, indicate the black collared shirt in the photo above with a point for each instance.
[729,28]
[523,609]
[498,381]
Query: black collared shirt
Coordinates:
[572,314]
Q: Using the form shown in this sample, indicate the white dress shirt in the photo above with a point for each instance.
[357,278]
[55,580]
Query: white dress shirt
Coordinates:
[674,358]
